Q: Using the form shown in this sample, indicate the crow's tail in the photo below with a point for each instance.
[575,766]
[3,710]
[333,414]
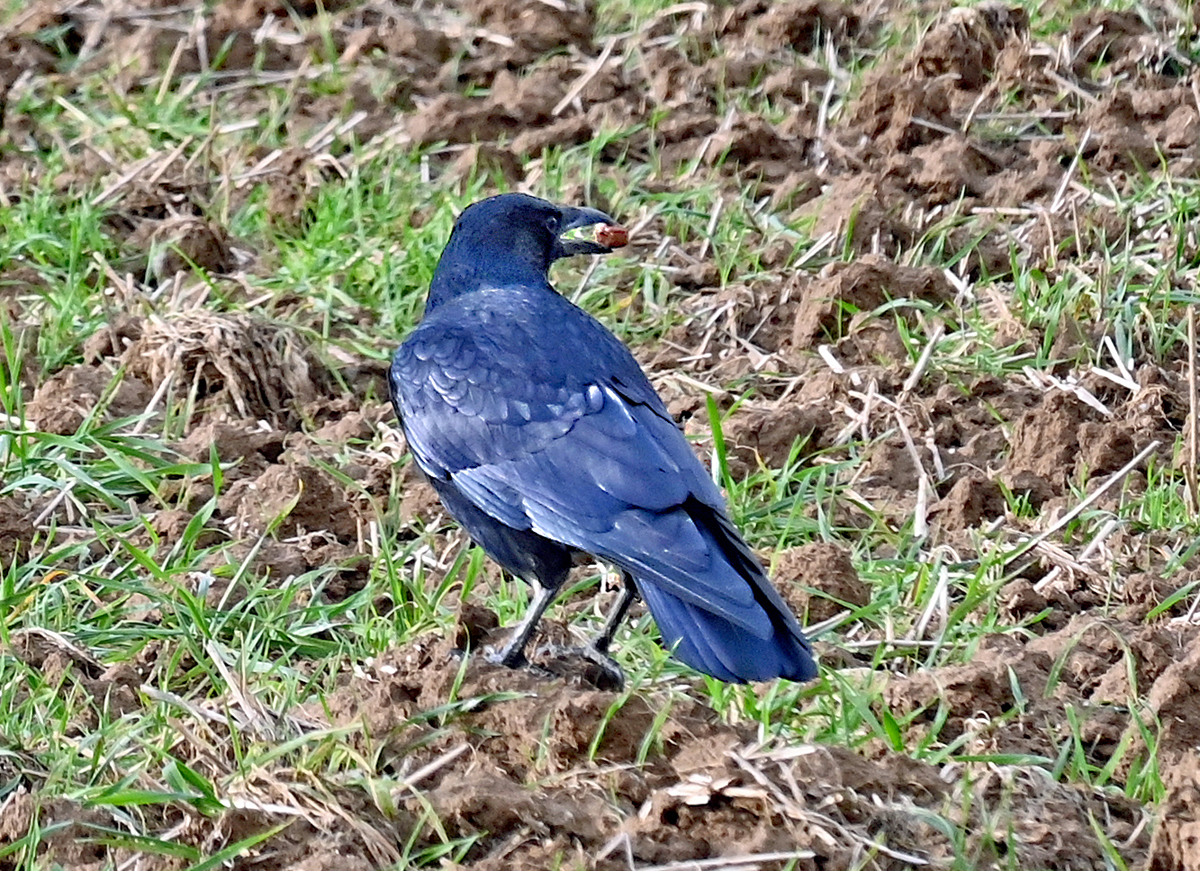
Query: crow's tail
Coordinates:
[710,642]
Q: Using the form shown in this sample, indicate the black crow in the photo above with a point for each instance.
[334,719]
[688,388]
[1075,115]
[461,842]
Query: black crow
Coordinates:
[545,440]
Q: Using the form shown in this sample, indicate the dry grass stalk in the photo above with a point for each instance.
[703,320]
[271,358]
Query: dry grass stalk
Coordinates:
[1114,479]
[582,82]
[1193,436]
[261,368]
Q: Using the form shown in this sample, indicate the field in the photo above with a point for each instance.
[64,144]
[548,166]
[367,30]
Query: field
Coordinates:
[917,280]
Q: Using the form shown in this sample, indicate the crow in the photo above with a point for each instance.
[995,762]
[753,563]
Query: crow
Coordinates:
[545,440]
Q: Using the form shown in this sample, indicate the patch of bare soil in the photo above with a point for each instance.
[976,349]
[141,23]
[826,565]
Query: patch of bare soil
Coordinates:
[311,521]
[70,396]
[827,305]
[1110,678]
[16,527]
[930,138]
[59,661]
[819,580]
[1177,837]
[542,771]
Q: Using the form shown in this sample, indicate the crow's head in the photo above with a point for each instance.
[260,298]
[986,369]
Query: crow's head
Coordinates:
[512,239]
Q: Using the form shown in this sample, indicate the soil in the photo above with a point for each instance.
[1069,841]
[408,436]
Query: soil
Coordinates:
[978,118]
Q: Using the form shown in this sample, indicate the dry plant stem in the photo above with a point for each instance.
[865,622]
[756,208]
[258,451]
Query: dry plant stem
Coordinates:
[582,82]
[432,767]
[1189,469]
[1066,519]
[920,511]
[914,377]
[1060,194]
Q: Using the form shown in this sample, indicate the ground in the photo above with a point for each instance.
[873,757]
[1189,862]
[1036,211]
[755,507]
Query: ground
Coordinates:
[917,279]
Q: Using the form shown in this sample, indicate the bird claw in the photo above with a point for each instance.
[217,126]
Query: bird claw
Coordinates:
[505,657]
[517,661]
[600,669]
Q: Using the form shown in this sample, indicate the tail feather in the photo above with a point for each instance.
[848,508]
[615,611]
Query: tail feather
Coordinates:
[712,644]
[772,646]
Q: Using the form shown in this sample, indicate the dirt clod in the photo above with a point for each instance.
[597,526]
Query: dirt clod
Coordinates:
[972,500]
[76,393]
[819,580]
[828,303]
[290,501]
[231,364]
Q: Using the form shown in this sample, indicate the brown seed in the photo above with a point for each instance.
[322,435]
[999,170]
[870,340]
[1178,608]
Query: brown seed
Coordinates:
[612,235]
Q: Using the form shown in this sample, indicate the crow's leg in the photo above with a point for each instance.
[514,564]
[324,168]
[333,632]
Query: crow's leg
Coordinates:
[608,674]
[512,654]
[616,614]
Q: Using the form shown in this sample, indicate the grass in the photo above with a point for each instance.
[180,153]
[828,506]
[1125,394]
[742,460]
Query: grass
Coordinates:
[153,674]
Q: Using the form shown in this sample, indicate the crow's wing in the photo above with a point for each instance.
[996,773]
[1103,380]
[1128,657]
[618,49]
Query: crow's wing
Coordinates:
[543,419]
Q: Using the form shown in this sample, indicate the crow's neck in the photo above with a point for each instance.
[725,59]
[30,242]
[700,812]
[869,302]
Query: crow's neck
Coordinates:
[478,265]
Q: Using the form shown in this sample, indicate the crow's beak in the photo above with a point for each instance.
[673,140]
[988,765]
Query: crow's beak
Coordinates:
[574,218]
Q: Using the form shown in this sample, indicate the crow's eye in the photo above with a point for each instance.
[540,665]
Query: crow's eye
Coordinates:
[552,224]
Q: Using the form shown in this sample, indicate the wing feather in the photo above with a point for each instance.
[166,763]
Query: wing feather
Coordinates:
[597,464]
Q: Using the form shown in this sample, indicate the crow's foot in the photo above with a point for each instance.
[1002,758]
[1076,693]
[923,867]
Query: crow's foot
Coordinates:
[506,656]
[598,669]
[518,662]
